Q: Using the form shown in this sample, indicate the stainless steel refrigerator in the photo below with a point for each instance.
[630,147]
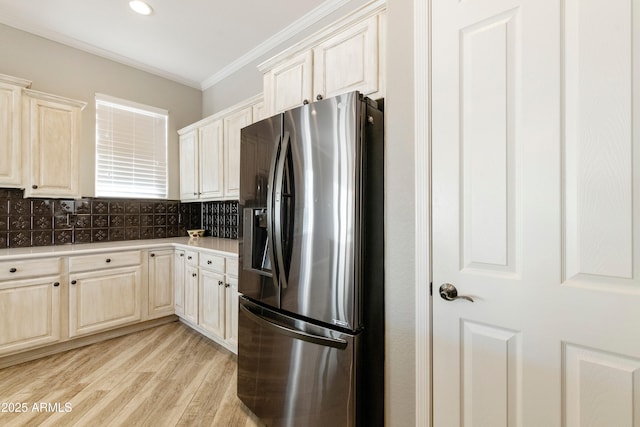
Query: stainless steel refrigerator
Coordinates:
[311,314]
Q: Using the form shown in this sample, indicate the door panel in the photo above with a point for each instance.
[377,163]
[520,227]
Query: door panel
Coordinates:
[535,212]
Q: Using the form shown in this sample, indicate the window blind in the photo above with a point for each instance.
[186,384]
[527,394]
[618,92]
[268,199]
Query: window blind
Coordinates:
[131,149]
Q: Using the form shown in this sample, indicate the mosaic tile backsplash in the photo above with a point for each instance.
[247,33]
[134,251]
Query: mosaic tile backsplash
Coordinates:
[46,222]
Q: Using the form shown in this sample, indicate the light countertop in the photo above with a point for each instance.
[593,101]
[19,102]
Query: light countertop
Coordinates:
[225,247]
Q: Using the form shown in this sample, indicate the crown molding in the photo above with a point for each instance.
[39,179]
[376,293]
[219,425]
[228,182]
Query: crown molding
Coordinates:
[293,29]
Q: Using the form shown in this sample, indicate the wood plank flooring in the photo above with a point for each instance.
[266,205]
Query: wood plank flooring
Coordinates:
[166,376]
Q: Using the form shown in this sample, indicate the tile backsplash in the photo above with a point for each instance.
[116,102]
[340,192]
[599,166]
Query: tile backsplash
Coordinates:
[46,222]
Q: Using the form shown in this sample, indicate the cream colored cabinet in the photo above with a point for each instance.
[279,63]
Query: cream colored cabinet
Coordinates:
[51,129]
[191,287]
[231,312]
[178,281]
[29,304]
[290,83]
[161,286]
[188,151]
[202,162]
[10,130]
[210,152]
[212,299]
[345,57]
[105,291]
[233,123]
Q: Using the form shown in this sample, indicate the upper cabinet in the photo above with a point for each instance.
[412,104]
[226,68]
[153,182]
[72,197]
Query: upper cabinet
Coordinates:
[210,152]
[344,57]
[51,132]
[10,126]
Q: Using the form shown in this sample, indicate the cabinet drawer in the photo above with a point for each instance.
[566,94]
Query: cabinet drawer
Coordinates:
[191,257]
[105,260]
[212,262]
[232,266]
[11,270]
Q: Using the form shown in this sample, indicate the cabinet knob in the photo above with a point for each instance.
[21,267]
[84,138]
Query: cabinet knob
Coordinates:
[193,274]
[189,257]
[35,187]
[209,261]
[319,97]
[305,102]
[108,260]
[56,284]
[152,255]
[73,282]
[13,270]
[195,194]
[220,283]
[226,285]
[181,254]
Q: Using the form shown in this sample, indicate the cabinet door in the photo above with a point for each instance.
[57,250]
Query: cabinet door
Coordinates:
[161,292]
[191,294]
[348,61]
[104,299]
[189,166]
[52,129]
[289,84]
[211,160]
[178,281]
[232,125]
[212,302]
[231,313]
[29,313]
[10,142]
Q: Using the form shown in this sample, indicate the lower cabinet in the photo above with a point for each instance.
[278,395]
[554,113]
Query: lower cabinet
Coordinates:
[212,298]
[105,291]
[29,313]
[51,300]
[207,297]
[105,299]
[161,286]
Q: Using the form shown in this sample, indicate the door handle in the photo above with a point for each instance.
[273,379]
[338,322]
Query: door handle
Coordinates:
[450,293]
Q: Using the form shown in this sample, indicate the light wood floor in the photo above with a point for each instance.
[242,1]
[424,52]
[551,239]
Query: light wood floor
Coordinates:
[166,376]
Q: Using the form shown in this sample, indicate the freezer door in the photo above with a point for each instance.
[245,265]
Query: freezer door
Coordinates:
[291,373]
[317,201]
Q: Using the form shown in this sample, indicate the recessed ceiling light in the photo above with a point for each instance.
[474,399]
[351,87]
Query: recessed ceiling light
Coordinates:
[140,7]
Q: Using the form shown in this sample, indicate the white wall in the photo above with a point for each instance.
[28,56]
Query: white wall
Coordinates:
[72,73]
[399,173]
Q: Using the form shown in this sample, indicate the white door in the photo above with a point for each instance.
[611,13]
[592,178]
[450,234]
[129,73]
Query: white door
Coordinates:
[536,215]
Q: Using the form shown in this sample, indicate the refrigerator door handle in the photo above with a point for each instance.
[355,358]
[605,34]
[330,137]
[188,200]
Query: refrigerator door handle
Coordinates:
[270,186]
[295,333]
[277,208]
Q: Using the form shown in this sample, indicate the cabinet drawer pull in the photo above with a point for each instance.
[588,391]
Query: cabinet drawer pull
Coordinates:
[108,260]
[13,270]
[73,282]
[56,284]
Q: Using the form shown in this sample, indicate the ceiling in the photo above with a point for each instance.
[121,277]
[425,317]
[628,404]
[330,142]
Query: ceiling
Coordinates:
[194,42]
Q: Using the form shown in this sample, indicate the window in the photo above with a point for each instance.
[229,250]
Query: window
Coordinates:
[131,149]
